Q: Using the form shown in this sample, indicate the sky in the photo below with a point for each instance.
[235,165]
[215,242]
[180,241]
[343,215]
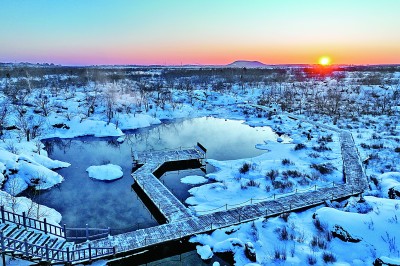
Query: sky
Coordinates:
[175,32]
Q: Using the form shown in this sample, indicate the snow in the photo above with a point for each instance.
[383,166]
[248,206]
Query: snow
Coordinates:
[194,180]
[85,127]
[389,180]
[105,172]
[375,228]
[376,136]
[31,208]
[253,185]
[131,121]
[204,252]
[262,147]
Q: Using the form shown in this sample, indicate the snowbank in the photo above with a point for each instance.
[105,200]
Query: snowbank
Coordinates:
[77,128]
[28,169]
[32,209]
[130,121]
[389,180]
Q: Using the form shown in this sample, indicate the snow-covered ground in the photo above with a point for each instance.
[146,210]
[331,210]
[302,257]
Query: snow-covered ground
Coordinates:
[288,166]
[364,102]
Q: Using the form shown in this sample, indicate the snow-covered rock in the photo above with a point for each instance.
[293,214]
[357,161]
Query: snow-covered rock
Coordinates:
[205,252]
[106,172]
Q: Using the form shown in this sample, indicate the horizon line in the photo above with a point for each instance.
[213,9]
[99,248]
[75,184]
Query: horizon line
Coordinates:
[194,64]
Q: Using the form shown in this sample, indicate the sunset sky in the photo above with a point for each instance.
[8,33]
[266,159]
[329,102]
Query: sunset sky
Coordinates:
[88,32]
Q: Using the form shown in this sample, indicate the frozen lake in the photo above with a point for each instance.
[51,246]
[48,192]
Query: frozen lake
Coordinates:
[82,200]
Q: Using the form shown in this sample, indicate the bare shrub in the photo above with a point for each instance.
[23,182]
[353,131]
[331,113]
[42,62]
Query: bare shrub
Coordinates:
[311,259]
[292,173]
[328,257]
[322,147]
[272,174]
[321,226]
[280,253]
[287,162]
[318,242]
[252,183]
[282,233]
[299,146]
[324,168]
[244,168]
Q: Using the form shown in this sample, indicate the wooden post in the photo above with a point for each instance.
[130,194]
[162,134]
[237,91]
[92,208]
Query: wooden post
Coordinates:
[274,195]
[90,252]
[26,247]
[315,187]
[45,225]
[47,252]
[68,260]
[65,231]
[211,226]
[3,219]
[87,232]
[24,219]
[3,254]
[226,206]
[251,200]
[333,183]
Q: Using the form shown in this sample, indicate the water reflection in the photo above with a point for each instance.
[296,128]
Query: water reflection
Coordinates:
[82,200]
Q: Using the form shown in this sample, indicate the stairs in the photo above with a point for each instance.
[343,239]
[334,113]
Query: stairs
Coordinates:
[30,244]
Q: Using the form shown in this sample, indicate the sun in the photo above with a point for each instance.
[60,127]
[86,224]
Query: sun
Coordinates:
[324,61]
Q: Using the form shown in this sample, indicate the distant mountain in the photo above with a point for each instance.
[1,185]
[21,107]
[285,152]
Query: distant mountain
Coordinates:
[247,64]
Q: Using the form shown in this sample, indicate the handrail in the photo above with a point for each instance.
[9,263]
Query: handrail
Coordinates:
[48,228]
[33,223]
[54,254]
[272,197]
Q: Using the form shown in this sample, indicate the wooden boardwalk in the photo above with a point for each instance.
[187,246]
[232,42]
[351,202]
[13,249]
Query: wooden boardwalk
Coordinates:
[168,205]
[183,223]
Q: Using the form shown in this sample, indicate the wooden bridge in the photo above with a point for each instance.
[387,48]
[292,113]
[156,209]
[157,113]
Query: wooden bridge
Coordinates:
[183,222]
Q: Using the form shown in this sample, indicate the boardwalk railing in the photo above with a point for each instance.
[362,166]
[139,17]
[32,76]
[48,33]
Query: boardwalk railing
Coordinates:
[202,148]
[225,207]
[64,232]
[53,254]
[44,226]
[85,233]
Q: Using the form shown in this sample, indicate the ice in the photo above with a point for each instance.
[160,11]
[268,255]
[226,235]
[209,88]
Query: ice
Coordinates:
[194,180]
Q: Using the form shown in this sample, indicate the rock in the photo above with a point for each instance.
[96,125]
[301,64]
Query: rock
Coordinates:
[250,252]
[343,235]
[61,125]
[385,261]
[394,192]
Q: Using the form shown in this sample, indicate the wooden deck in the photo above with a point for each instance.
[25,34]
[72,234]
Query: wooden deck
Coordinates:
[183,223]
[168,205]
